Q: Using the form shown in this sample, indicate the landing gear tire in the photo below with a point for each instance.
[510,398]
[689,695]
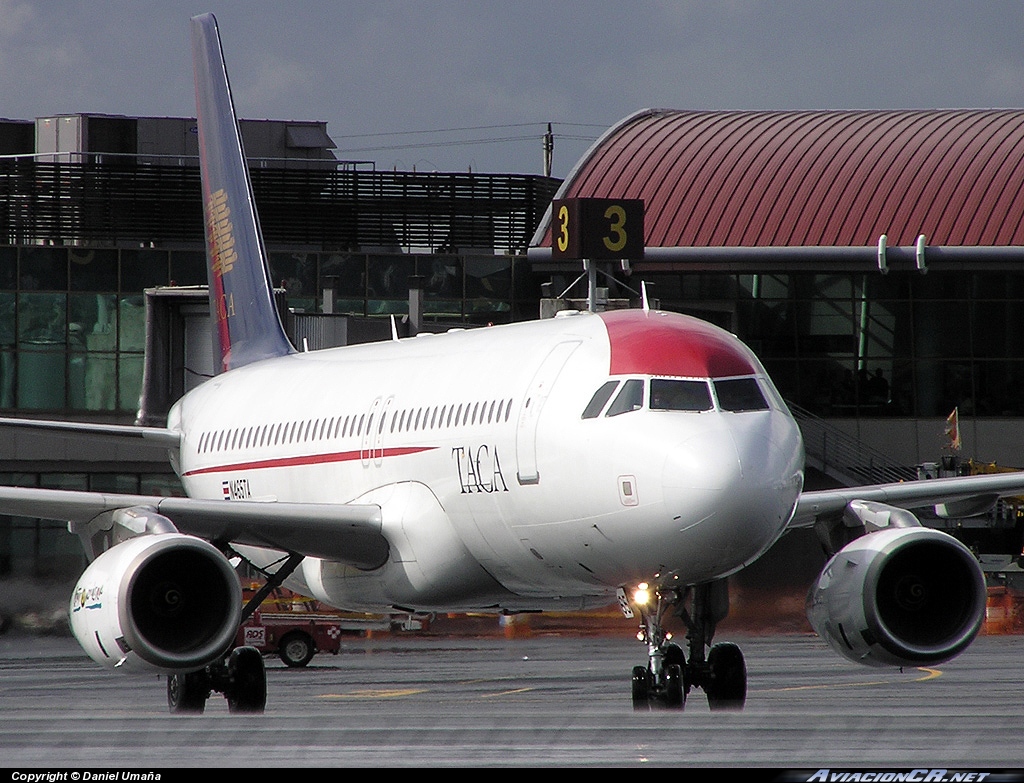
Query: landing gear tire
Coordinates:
[296,649]
[641,688]
[247,681]
[727,688]
[674,656]
[187,693]
[674,695]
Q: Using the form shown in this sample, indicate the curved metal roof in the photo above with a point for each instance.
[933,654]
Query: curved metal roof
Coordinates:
[801,179]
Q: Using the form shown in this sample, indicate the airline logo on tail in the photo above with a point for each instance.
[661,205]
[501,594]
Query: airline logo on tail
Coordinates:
[222,254]
[222,240]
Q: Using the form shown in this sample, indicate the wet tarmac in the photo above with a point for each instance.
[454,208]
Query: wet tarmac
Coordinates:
[398,701]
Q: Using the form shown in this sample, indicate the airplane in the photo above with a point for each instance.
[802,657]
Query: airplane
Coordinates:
[636,456]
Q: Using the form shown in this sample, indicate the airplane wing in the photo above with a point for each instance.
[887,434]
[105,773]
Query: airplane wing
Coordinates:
[349,534]
[972,491]
[158,437]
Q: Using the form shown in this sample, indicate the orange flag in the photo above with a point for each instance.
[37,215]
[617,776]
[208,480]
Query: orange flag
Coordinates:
[953,430]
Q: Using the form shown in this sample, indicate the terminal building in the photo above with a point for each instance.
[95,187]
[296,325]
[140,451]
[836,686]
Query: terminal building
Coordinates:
[873,260]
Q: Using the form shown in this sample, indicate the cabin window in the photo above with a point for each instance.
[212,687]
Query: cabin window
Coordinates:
[740,394]
[630,398]
[673,395]
[597,402]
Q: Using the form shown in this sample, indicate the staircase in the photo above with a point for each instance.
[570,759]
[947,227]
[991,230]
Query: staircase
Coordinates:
[843,457]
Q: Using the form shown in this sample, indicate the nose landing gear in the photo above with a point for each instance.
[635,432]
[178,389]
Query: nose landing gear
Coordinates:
[670,674]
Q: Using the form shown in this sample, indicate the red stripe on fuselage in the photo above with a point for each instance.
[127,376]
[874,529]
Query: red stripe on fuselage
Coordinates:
[658,343]
[310,459]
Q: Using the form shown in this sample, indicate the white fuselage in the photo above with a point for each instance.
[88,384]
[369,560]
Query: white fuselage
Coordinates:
[495,490]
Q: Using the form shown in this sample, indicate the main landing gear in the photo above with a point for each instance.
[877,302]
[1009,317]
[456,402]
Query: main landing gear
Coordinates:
[670,674]
[241,677]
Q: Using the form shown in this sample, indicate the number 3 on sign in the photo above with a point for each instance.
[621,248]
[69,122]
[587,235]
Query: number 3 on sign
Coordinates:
[597,228]
[616,239]
[563,228]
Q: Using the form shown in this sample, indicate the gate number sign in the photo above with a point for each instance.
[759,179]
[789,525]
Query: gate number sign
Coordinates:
[597,228]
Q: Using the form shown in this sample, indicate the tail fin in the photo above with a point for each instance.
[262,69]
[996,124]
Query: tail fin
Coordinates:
[247,325]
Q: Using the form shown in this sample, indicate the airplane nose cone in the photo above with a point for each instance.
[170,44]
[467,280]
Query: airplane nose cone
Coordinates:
[706,460]
[731,487]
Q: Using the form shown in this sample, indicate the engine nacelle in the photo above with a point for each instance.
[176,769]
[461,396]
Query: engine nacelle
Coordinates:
[902,597]
[168,602]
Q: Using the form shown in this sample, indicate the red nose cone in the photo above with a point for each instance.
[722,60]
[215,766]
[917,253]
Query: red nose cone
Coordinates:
[656,343]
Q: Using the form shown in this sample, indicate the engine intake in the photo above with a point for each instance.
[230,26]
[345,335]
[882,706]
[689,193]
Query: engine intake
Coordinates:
[901,597]
[169,602]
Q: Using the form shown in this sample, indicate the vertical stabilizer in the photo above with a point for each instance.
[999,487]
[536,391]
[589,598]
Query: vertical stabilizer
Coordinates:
[246,324]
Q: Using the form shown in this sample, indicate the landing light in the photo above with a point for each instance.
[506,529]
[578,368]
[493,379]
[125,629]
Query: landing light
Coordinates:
[641,595]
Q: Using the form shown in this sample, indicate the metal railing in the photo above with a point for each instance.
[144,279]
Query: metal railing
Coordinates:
[130,200]
[844,457]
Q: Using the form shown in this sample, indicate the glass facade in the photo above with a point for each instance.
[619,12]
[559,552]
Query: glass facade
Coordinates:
[43,548]
[72,326]
[72,323]
[853,344]
[72,320]
[461,288]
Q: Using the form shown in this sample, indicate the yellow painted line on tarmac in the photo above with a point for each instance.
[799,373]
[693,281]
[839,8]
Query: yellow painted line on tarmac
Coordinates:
[929,674]
[506,693]
[374,694]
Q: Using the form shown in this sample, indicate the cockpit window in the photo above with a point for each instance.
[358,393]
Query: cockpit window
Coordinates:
[675,395]
[631,398]
[601,396]
[740,394]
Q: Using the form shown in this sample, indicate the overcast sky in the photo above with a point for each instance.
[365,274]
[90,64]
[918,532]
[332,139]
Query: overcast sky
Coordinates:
[492,74]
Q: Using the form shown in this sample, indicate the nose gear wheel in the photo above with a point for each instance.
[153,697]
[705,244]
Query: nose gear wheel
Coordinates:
[670,673]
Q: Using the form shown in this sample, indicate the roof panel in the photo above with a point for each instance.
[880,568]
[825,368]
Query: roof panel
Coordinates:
[760,179]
